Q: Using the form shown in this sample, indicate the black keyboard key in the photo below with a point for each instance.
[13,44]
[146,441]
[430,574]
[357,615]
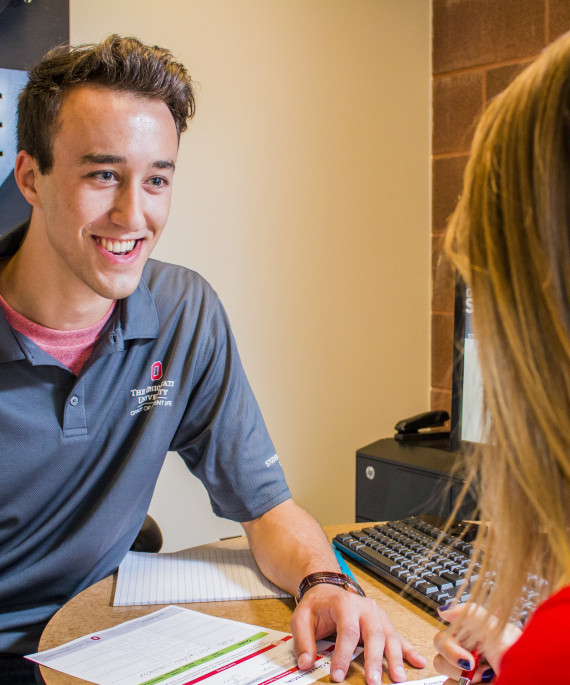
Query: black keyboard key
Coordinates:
[411,565]
[394,556]
[343,537]
[434,567]
[383,549]
[356,545]
[441,583]
[442,598]
[359,535]
[449,565]
[453,578]
[424,587]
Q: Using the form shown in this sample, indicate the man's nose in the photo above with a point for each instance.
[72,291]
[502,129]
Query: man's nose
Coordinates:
[128,210]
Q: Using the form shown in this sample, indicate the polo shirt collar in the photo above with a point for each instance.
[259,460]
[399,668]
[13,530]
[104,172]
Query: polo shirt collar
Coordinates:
[10,350]
[139,318]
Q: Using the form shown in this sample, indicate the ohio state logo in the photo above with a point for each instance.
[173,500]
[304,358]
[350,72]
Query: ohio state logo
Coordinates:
[158,393]
[156,371]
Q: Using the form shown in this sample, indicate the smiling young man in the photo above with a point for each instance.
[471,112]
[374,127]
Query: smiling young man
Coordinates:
[109,360]
[98,212]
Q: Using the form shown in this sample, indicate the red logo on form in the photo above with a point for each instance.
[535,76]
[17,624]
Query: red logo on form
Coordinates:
[156,371]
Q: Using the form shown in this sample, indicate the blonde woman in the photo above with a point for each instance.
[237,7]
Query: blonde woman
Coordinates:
[510,238]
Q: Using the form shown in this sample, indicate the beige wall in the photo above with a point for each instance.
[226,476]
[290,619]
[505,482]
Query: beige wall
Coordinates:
[302,194]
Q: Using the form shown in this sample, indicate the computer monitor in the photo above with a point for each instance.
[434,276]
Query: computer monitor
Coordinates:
[467,415]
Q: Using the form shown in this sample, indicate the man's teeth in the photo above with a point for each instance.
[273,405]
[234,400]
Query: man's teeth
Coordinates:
[117,246]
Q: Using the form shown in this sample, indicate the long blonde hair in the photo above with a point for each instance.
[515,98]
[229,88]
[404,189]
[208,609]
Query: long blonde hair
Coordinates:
[510,239]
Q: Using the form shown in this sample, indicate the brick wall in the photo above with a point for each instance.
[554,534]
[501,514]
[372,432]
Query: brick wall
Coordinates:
[479,46]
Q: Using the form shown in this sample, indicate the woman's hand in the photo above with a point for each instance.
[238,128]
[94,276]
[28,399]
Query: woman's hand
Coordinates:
[453,658]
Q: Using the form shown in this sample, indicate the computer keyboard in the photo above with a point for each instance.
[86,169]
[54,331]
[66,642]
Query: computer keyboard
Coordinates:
[403,553]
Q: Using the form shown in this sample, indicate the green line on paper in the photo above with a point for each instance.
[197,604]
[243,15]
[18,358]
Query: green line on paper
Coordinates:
[204,659]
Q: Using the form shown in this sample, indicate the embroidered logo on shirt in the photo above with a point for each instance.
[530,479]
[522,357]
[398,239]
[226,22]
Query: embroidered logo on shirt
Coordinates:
[156,371]
[152,396]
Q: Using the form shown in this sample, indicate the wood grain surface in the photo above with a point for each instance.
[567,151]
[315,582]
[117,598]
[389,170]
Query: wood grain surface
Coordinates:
[92,610]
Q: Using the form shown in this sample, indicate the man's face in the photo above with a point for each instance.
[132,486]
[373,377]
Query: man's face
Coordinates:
[106,199]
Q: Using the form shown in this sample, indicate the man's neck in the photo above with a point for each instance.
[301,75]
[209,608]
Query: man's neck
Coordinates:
[24,286]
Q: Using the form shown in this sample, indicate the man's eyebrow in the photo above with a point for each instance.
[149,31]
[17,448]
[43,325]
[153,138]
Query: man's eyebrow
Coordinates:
[164,164]
[94,158]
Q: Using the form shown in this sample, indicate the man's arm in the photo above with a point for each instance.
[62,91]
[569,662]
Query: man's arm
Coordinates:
[288,544]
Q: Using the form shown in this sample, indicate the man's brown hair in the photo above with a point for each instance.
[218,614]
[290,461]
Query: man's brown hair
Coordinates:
[119,63]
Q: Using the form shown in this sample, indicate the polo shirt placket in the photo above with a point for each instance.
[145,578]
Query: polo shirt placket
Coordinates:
[74,419]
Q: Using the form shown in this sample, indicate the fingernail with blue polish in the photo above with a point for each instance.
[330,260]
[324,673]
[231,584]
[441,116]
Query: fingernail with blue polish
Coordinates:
[464,664]
[445,607]
[487,676]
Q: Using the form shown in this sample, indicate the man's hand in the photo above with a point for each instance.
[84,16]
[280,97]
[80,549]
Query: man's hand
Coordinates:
[288,544]
[326,608]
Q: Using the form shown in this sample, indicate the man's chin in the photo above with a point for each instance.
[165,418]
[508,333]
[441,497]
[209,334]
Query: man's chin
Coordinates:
[117,290]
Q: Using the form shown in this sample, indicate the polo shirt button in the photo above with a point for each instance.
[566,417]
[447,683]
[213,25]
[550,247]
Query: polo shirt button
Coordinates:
[74,401]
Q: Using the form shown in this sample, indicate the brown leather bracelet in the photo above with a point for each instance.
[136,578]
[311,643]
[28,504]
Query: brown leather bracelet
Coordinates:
[330,577]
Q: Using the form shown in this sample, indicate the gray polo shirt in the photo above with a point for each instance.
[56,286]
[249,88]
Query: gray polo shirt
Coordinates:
[81,455]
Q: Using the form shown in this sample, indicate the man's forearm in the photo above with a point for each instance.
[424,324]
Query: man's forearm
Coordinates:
[288,544]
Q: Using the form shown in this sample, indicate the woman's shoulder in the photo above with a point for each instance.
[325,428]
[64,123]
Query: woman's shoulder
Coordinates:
[539,656]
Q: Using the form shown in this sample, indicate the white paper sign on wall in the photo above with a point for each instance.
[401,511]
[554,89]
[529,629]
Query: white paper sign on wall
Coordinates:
[11,83]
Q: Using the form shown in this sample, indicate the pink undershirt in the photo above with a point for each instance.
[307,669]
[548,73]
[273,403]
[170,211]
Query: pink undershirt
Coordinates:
[71,348]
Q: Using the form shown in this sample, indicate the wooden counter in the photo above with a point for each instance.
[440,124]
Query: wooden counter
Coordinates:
[92,610]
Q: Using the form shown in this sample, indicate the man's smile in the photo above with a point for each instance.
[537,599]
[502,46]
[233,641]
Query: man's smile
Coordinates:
[117,247]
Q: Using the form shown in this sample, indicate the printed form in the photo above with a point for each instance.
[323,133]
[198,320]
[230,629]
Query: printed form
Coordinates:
[178,646]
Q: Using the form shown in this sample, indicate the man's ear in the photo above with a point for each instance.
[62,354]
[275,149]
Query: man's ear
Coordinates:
[26,172]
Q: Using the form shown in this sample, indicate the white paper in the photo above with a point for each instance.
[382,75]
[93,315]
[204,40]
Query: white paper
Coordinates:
[177,646]
[437,680]
[11,83]
[192,576]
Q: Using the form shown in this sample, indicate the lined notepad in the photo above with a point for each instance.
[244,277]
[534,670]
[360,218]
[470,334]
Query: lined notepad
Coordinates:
[192,576]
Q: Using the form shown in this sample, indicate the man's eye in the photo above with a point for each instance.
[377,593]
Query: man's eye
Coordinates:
[103,175]
[158,182]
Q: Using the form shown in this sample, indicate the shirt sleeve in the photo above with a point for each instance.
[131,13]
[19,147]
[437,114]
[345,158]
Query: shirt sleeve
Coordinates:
[231,453]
